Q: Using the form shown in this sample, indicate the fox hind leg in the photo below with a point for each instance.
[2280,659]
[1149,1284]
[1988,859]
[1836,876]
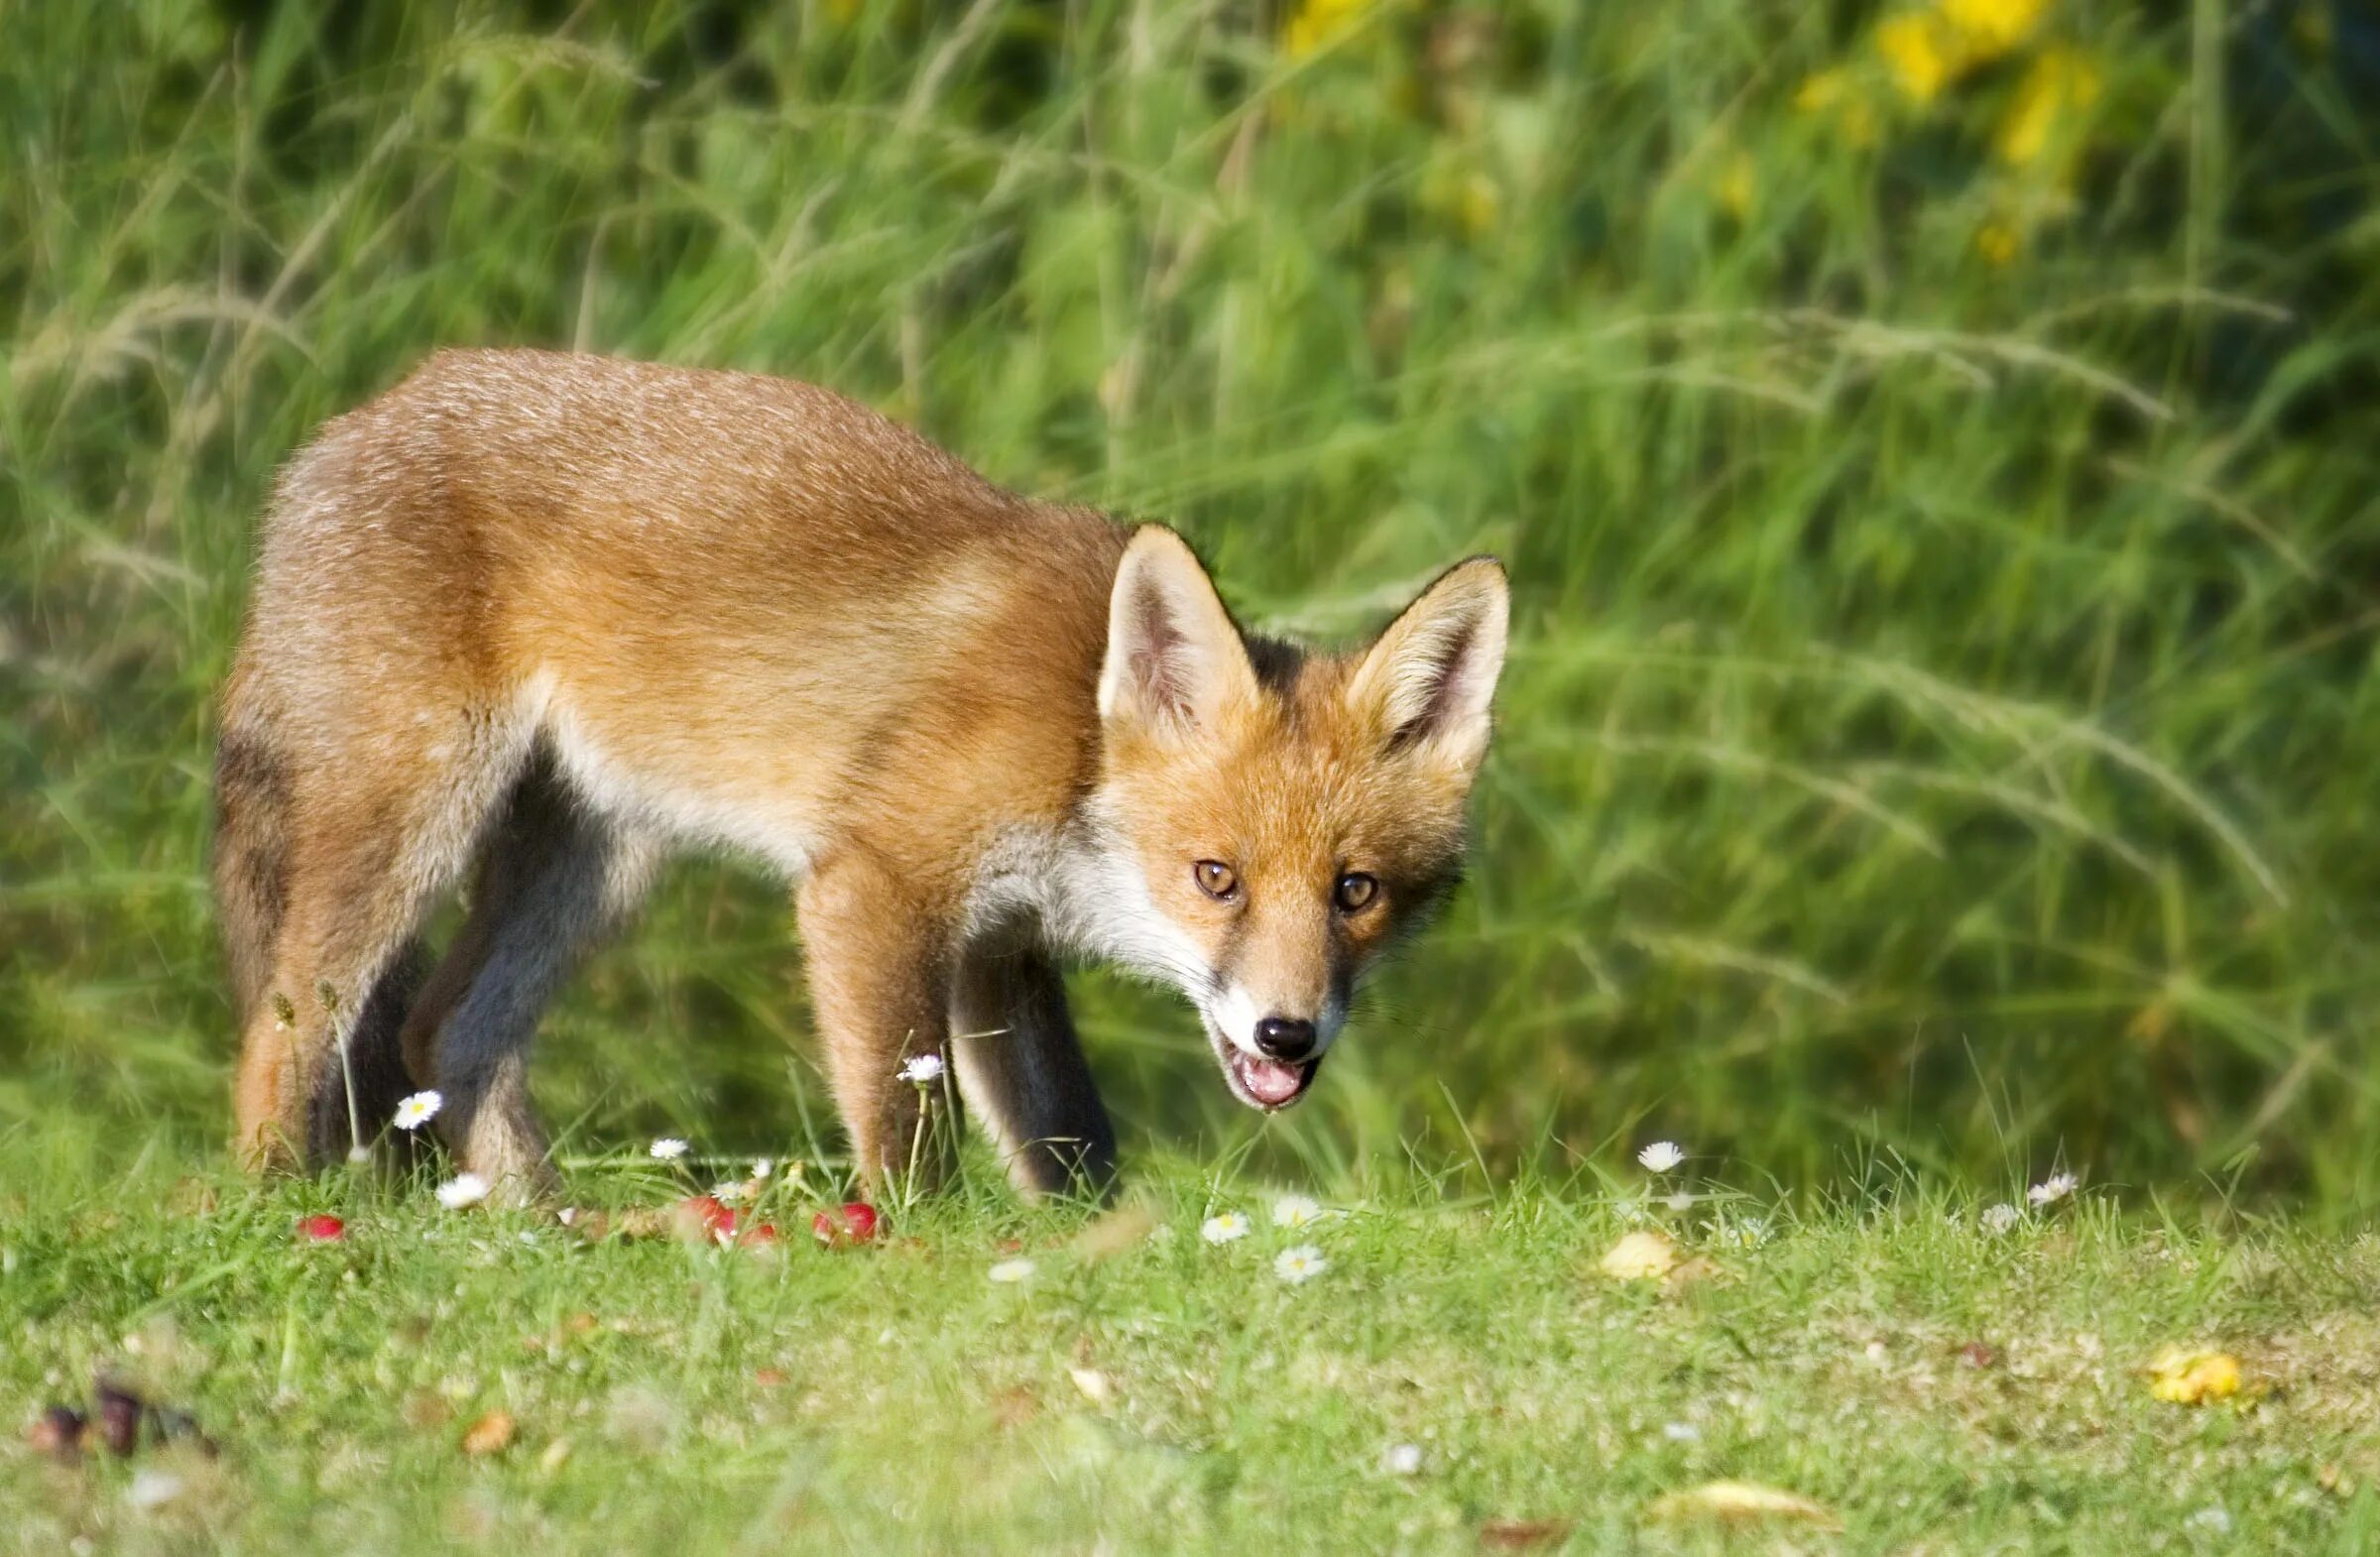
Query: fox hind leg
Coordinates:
[553,876]
[361,861]
[1023,1071]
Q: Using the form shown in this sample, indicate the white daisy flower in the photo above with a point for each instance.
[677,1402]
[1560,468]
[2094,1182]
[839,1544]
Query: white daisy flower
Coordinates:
[2000,1218]
[462,1190]
[921,1070]
[1223,1227]
[1296,1211]
[1405,1459]
[728,1191]
[1661,1156]
[2052,1189]
[666,1150]
[1010,1271]
[762,1168]
[1301,1264]
[419,1110]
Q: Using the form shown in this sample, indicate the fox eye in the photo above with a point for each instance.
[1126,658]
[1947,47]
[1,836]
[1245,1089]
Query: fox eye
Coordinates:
[1216,880]
[1356,891]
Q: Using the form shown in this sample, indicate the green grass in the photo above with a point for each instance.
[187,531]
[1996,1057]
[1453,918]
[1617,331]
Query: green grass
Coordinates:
[1938,748]
[1939,721]
[1935,1387]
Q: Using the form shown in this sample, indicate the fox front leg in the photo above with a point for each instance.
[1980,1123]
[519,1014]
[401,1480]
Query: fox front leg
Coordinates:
[879,962]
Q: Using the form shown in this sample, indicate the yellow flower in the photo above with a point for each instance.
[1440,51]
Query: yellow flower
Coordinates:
[1466,197]
[1921,53]
[1996,241]
[1831,90]
[1858,123]
[1819,93]
[1991,28]
[2312,27]
[2061,80]
[2194,1377]
[1734,186]
[1317,23]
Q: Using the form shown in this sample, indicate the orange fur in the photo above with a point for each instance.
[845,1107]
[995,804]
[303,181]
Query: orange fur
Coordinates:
[557,615]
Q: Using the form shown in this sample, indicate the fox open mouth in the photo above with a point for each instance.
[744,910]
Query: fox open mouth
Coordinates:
[1267,1084]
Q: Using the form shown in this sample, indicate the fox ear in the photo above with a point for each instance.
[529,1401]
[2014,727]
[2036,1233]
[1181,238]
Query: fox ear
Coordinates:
[1429,678]
[1175,659]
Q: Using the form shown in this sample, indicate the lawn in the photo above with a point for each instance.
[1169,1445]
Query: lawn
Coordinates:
[1930,441]
[1461,1375]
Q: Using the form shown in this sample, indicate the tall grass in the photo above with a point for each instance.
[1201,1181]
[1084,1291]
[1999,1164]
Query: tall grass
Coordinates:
[1942,723]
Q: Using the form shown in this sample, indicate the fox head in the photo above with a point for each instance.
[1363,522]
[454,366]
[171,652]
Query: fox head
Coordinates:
[1275,820]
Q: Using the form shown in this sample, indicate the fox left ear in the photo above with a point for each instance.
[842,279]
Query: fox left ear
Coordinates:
[1429,678]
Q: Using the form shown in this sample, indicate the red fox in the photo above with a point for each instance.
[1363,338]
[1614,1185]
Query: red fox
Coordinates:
[561,614]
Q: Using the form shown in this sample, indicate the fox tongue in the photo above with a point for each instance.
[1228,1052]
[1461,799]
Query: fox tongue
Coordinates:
[1269,1080]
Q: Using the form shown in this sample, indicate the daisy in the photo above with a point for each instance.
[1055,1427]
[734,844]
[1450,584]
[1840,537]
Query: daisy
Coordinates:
[1301,1264]
[462,1190]
[762,1168]
[1010,1271]
[2000,1218]
[1223,1227]
[419,1110]
[922,1069]
[728,1191]
[2051,1190]
[1661,1156]
[1296,1211]
[666,1150]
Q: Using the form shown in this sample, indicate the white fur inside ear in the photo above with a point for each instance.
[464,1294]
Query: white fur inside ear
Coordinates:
[1434,671]
[1173,656]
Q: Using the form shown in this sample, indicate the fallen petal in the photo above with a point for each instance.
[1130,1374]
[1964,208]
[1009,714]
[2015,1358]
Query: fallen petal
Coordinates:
[58,1432]
[491,1434]
[1644,1255]
[2187,1377]
[1513,1536]
[1739,1502]
[1114,1232]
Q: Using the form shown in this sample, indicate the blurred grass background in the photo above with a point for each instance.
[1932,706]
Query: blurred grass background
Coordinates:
[1934,444]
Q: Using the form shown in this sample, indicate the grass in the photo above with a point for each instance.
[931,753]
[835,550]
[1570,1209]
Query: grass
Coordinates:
[1939,722]
[1936,750]
[1930,1385]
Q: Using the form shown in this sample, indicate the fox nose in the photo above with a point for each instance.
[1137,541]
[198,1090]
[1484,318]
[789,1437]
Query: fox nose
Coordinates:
[1285,1039]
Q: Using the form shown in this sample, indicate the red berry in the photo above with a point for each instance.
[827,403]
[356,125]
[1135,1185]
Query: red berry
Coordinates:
[321,1229]
[703,1217]
[762,1236]
[853,1221]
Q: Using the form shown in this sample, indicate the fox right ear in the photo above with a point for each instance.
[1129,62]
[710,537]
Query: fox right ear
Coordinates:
[1174,659]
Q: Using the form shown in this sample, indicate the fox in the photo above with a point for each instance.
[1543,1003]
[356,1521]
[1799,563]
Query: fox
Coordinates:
[529,623]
